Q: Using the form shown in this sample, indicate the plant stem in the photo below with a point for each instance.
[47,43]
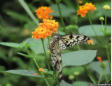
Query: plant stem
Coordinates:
[105,75]
[44,47]
[41,72]
[27,9]
[93,28]
[59,10]
[105,21]
[99,80]
[108,56]
[106,43]
[47,61]
[90,75]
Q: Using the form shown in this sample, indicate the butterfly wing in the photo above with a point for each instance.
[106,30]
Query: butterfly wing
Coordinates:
[56,56]
[60,43]
[71,40]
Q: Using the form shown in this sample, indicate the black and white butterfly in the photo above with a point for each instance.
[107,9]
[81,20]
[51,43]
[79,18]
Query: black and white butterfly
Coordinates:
[59,43]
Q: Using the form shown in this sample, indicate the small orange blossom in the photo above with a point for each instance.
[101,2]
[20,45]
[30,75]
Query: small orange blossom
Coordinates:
[84,9]
[41,32]
[99,59]
[90,42]
[51,24]
[43,12]
[41,70]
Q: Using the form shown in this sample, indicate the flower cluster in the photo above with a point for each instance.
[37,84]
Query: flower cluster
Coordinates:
[48,26]
[84,9]
[44,12]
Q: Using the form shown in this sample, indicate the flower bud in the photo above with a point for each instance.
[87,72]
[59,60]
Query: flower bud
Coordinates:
[101,18]
[71,77]
[106,7]
[76,73]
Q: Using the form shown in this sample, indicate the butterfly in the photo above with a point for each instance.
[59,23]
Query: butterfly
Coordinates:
[59,43]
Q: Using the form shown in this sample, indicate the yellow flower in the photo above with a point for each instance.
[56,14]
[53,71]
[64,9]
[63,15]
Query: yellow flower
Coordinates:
[84,9]
[101,18]
[90,42]
[44,12]
[106,7]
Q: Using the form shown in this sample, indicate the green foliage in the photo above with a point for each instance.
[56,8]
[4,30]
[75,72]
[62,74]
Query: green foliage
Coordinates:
[81,57]
[96,66]
[23,73]
[72,70]
[63,83]
[94,30]
[17,16]
[80,83]
[13,45]
[65,13]
[36,45]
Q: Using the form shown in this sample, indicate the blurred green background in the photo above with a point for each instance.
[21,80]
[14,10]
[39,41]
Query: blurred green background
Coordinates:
[16,26]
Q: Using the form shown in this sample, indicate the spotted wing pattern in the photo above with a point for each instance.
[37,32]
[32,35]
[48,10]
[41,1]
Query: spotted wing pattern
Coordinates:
[59,43]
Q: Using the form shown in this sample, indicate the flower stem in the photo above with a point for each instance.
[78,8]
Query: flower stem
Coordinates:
[41,72]
[105,75]
[45,54]
[93,28]
[60,13]
[106,43]
[91,76]
[44,47]
[99,80]
[108,56]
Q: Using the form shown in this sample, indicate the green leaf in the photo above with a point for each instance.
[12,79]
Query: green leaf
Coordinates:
[23,73]
[71,70]
[10,44]
[25,6]
[81,83]
[17,16]
[36,45]
[80,57]
[96,66]
[63,83]
[93,30]
[66,11]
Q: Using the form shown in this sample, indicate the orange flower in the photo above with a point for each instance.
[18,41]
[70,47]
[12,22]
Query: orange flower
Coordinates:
[90,7]
[41,70]
[90,42]
[45,29]
[41,32]
[52,25]
[99,59]
[43,12]
[84,9]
